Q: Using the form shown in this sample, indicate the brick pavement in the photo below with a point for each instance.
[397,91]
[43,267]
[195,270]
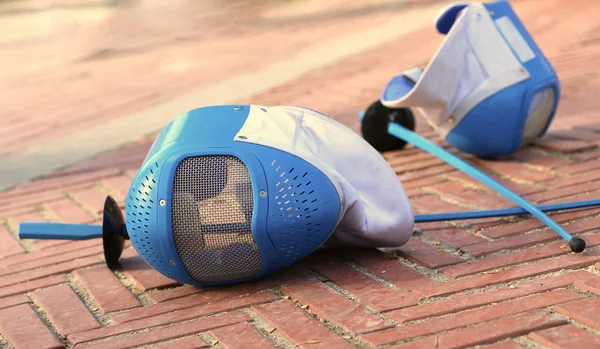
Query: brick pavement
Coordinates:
[496,283]
[145,53]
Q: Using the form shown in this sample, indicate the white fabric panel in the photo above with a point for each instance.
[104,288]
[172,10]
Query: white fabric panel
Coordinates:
[473,62]
[375,208]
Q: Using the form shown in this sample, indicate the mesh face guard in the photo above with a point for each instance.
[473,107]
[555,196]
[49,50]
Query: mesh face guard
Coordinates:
[211,219]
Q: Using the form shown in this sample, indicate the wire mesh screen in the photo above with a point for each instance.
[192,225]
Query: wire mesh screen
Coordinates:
[211,219]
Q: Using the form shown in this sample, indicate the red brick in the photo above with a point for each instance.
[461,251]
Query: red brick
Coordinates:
[409,157]
[11,212]
[519,188]
[509,259]
[171,332]
[33,216]
[39,245]
[392,270]
[49,270]
[42,262]
[566,337]
[429,172]
[417,165]
[489,332]
[427,255]
[588,155]
[558,193]
[584,311]
[433,204]
[468,196]
[328,304]
[21,326]
[577,197]
[193,342]
[171,317]
[528,270]
[172,293]
[513,170]
[13,300]
[106,289]
[64,309]
[479,225]
[90,198]
[567,216]
[30,199]
[531,156]
[297,327]
[469,317]
[27,286]
[563,145]
[577,134]
[513,228]
[451,236]
[570,180]
[505,345]
[583,167]
[119,186]
[44,254]
[209,295]
[367,290]
[143,275]
[240,335]
[511,242]
[9,246]
[423,182]
[66,211]
[591,285]
[468,301]
[411,193]
[534,223]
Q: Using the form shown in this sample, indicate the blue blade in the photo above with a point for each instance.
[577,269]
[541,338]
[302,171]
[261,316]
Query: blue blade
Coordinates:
[420,142]
[455,216]
[59,231]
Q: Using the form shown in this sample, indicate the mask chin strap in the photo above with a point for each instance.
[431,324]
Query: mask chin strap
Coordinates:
[576,244]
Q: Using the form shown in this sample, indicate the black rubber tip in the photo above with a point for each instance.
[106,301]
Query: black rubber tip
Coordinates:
[374,126]
[114,232]
[577,245]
